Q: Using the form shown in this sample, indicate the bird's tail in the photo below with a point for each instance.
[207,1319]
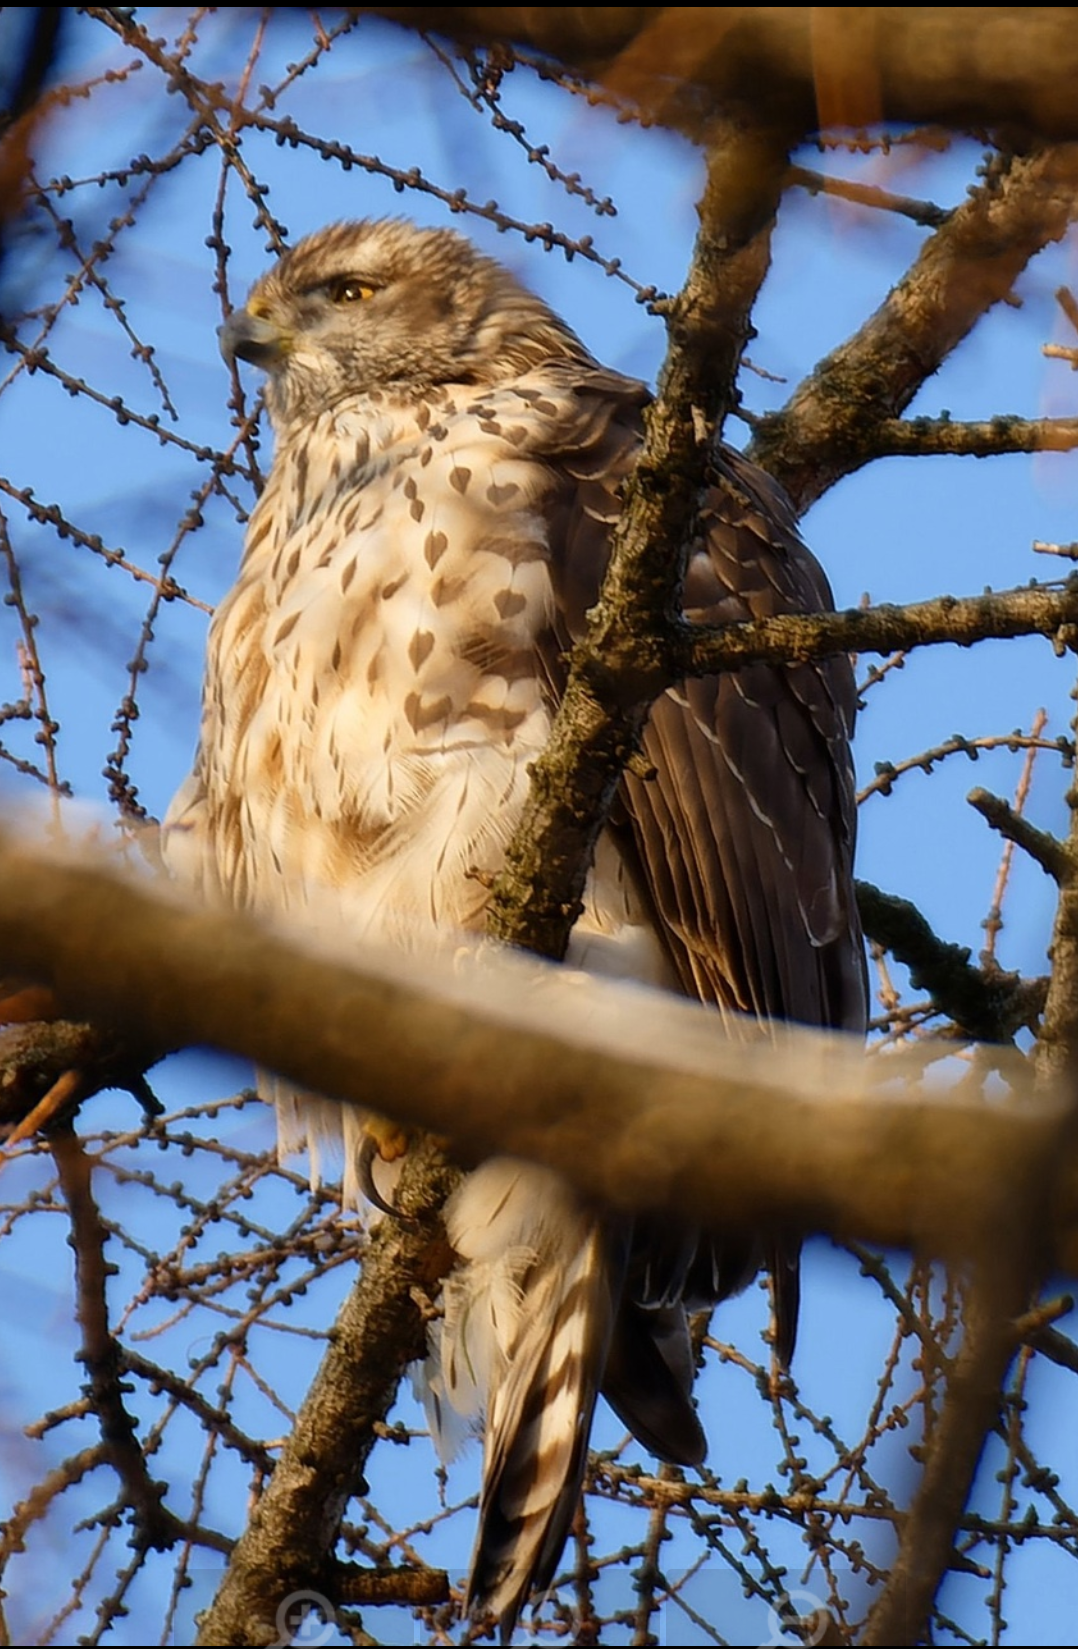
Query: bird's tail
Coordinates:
[527,1327]
[331,1133]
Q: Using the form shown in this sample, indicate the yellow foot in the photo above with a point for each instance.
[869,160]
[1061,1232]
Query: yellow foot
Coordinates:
[386,1141]
[390,1141]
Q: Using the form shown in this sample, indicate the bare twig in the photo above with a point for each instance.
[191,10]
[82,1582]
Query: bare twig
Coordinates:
[155,1525]
[288,1543]
[1048,852]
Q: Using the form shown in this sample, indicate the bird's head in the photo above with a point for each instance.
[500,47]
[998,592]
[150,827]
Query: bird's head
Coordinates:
[385,304]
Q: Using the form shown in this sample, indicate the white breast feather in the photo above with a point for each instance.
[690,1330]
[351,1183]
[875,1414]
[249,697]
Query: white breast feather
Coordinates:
[352,772]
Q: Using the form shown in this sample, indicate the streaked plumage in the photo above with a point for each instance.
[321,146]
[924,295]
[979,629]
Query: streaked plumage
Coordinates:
[434,528]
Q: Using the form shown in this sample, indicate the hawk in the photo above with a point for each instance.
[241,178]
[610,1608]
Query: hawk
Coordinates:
[448,468]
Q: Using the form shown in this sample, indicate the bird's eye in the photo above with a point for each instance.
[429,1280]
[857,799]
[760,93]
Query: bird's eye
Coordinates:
[350,290]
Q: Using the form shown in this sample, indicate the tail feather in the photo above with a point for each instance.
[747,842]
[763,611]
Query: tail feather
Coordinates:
[648,1382]
[524,1340]
[537,1430]
[784,1264]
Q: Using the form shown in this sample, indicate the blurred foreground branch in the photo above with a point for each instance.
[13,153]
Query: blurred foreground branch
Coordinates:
[843,65]
[786,1126]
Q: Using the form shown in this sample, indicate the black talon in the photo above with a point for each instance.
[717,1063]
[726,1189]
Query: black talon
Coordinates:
[365,1174]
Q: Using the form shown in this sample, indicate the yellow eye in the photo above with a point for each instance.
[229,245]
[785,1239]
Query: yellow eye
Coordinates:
[350,290]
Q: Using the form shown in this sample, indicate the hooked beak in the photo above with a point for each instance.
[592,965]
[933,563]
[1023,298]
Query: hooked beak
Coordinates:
[252,338]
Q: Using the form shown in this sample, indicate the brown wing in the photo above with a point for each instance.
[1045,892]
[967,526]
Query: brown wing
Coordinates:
[746,831]
[744,836]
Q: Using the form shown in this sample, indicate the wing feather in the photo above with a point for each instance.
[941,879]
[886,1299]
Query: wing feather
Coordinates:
[744,835]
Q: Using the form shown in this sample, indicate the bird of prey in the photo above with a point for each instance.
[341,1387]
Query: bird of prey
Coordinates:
[449,464]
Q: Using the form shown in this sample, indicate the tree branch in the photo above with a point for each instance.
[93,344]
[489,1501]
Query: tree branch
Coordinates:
[33,1058]
[771,1125]
[1043,848]
[988,1005]
[101,1354]
[852,66]
[987,438]
[924,212]
[620,666]
[999,1292]
[1036,609]
[1005,1277]
[829,426]
[288,1544]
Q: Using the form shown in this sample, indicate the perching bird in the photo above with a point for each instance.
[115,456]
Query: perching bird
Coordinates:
[449,462]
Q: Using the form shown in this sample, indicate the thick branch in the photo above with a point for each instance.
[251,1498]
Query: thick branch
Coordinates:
[619,667]
[848,65]
[1004,1281]
[1057,1044]
[787,1126]
[34,1057]
[829,427]
[636,648]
